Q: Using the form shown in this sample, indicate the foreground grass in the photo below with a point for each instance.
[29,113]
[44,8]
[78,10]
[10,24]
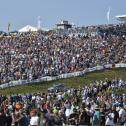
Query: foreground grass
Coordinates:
[70,82]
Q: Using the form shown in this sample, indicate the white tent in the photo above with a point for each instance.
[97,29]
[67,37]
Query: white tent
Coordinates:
[27,29]
[121,18]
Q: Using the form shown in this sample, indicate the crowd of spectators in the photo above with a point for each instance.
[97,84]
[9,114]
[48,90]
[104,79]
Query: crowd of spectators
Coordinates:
[90,106]
[32,55]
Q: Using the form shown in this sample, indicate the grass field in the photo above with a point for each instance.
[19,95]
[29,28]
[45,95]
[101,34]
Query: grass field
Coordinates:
[70,82]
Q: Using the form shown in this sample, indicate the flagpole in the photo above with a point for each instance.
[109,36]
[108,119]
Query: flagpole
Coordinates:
[8,28]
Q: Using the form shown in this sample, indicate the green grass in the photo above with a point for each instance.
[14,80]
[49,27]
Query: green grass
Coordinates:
[70,82]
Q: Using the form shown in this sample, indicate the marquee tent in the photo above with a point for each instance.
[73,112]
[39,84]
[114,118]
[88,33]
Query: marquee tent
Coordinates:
[27,29]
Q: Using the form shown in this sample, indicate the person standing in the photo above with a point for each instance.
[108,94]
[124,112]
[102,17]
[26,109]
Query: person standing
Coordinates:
[122,115]
[34,121]
[43,120]
[110,118]
[2,118]
[96,117]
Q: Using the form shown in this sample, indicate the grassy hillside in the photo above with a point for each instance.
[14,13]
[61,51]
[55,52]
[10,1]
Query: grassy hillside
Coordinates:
[70,82]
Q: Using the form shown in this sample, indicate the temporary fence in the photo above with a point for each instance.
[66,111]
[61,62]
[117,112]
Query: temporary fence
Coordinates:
[62,76]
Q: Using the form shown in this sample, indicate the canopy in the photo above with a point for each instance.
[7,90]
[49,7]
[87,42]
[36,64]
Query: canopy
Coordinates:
[27,29]
[121,18]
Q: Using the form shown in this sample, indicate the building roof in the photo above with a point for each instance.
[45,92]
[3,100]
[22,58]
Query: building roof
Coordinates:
[121,17]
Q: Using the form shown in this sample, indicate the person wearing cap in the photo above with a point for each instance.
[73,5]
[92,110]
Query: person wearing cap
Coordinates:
[34,121]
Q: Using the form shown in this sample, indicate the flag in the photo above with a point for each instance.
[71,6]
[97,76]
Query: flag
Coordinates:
[108,14]
[39,22]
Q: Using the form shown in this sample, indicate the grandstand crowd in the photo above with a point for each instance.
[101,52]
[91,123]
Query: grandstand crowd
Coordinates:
[90,106]
[32,55]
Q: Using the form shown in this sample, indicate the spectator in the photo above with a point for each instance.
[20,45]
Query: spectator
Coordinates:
[33,55]
[34,121]
[43,119]
[96,117]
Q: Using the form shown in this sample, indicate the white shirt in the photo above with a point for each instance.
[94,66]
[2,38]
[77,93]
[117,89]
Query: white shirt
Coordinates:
[109,120]
[34,120]
[67,112]
[59,97]
[33,97]
[122,114]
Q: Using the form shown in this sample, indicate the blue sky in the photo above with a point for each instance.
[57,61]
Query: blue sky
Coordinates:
[80,12]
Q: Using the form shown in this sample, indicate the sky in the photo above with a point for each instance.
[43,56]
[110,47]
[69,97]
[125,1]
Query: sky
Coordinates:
[20,13]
